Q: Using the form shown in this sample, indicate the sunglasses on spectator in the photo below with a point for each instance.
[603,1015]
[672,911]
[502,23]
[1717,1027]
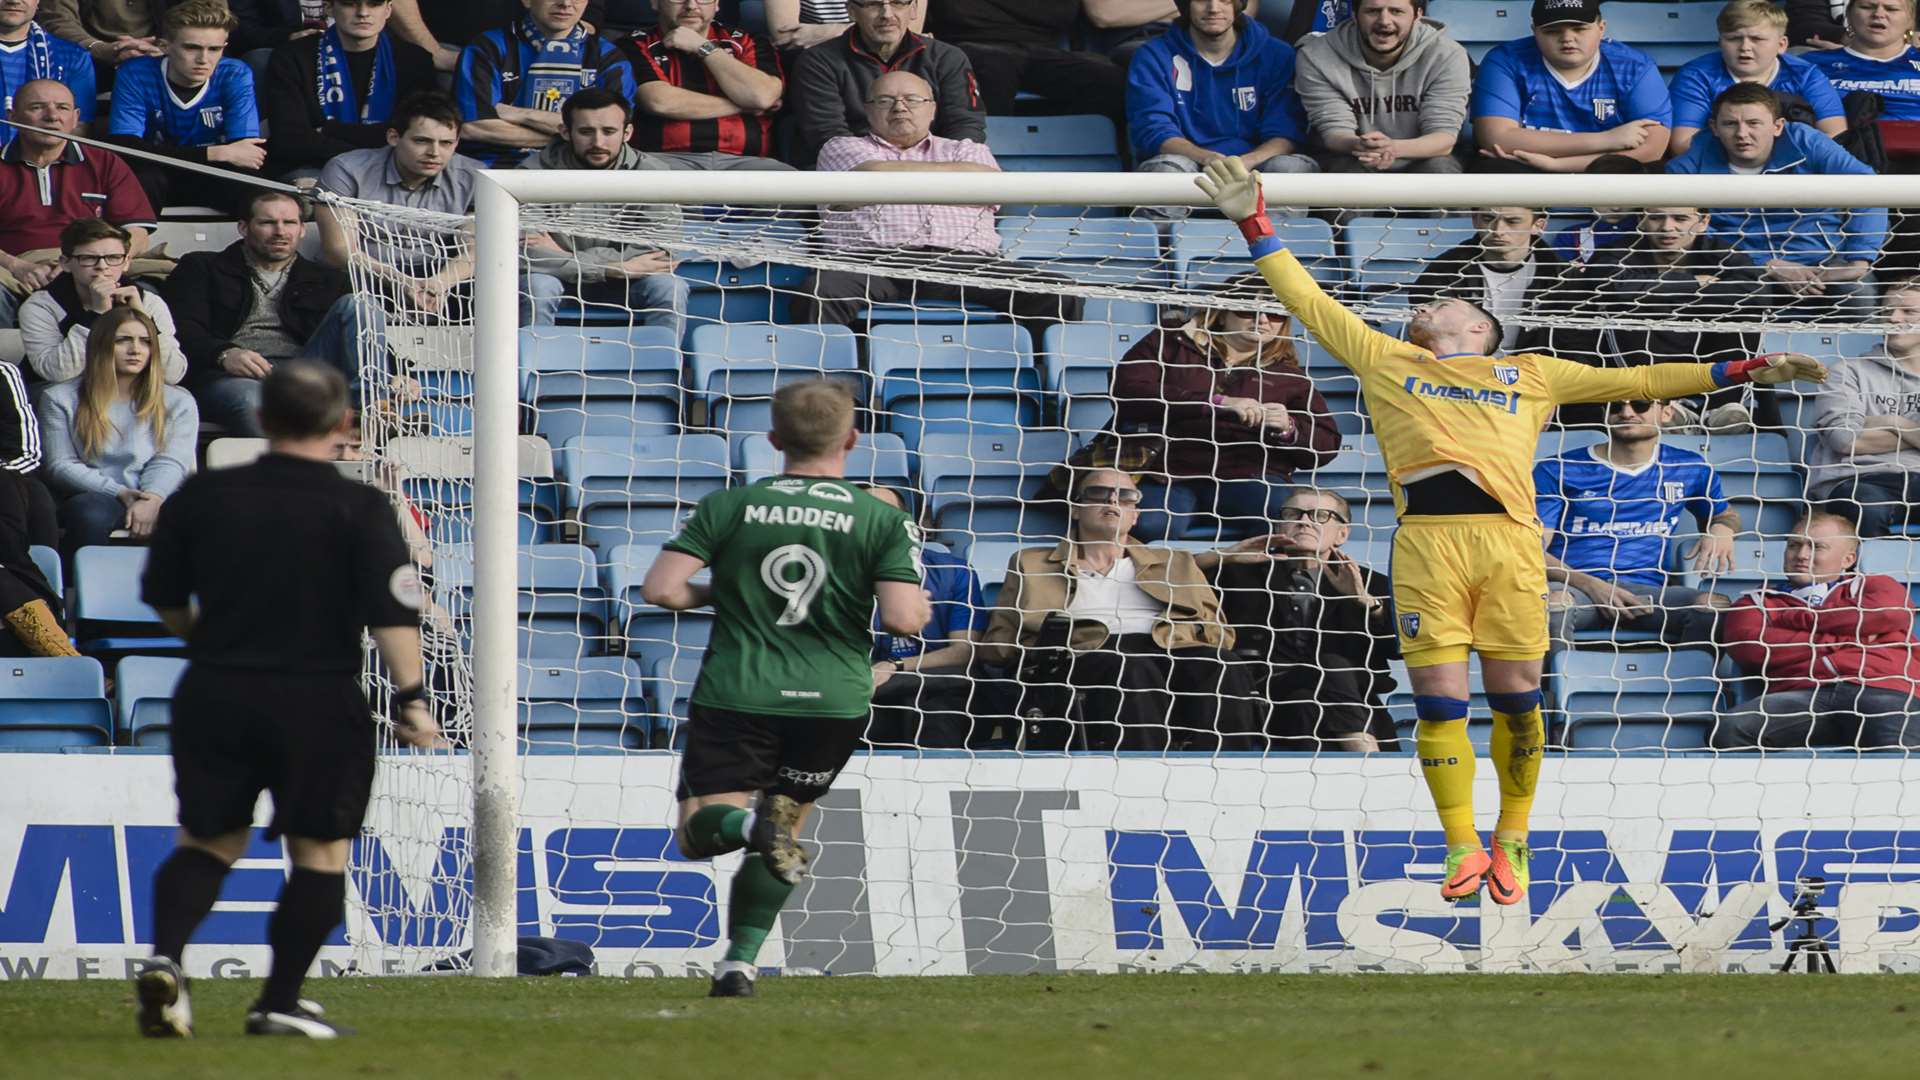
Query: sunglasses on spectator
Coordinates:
[1641,407]
[1319,515]
[1106,493]
[119,259]
[911,101]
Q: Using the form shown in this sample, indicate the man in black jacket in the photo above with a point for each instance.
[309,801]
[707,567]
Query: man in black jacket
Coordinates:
[1506,269]
[256,303]
[1671,272]
[1324,625]
[830,81]
[365,71]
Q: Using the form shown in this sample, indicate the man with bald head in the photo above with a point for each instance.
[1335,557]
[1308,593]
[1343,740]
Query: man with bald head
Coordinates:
[47,182]
[900,115]
[831,81]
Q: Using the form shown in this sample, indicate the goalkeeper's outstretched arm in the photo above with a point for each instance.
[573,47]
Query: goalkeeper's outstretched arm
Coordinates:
[1569,382]
[1237,193]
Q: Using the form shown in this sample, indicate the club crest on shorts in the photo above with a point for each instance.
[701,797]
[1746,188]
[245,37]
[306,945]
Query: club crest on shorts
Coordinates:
[1508,374]
[1410,623]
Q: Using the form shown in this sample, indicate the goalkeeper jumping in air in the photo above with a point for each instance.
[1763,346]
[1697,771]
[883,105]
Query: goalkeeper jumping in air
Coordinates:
[1458,427]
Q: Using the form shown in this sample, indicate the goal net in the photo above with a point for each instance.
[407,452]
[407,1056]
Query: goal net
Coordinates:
[551,423]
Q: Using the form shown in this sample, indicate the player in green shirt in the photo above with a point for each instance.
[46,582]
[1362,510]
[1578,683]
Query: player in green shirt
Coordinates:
[798,561]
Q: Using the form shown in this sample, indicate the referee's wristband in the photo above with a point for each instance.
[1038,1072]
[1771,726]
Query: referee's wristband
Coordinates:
[409,695]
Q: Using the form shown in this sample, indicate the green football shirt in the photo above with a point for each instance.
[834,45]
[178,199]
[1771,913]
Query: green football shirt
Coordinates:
[794,561]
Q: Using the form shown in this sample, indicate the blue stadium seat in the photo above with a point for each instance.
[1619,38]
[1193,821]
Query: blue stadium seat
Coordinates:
[954,379]
[1386,254]
[437,477]
[1756,561]
[1079,357]
[1481,24]
[978,486]
[110,619]
[652,633]
[54,702]
[669,686]
[581,382]
[562,610]
[1053,143]
[1671,33]
[989,560]
[143,698]
[1898,558]
[736,367]
[1115,252]
[48,561]
[597,701]
[623,492]
[877,458]
[723,292]
[1207,253]
[1086,415]
[1661,699]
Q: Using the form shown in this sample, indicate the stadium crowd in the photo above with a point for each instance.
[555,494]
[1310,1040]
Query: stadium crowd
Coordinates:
[1125,633]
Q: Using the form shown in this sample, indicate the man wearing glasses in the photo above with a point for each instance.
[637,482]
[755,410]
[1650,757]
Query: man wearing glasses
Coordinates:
[55,320]
[1148,644]
[958,239]
[706,92]
[1322,622]
[1608,511]
[832,80]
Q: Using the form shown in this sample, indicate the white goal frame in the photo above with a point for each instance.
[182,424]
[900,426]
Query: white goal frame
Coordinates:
[498,200]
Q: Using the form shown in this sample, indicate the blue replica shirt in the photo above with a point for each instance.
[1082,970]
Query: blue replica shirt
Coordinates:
[42,56]
[1614,523]
[1515,82]
[1329,14]
[1897,80]
[1704,78]
[1229,108]
[958,605]
[1577,243]
[146,105]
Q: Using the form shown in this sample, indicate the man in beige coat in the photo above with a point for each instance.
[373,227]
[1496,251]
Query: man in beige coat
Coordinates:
[1150,657]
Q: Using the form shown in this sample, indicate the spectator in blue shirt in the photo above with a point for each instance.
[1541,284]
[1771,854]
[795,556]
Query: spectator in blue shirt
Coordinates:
[1753,48]
[1216,84]
[1557,100]
[1879,56]
[29,52]
[921,691]
[1608,511]
[1818,259]
[512,81]
[193,103]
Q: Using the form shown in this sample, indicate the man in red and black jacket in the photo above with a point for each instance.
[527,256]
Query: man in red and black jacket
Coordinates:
[706,92]
[1834,647]
[831,81]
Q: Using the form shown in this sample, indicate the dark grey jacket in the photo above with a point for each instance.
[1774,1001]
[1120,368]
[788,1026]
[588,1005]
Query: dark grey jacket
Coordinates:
[829,84]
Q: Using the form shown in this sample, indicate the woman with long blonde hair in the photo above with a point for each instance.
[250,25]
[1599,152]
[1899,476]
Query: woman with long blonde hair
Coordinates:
[118,439]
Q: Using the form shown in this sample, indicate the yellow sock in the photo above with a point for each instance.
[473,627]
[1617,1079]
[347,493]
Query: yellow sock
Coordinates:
[1518,736]
[1446,760]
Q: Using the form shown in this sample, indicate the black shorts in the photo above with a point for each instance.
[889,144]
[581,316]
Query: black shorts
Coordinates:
[307,739]
[796,756]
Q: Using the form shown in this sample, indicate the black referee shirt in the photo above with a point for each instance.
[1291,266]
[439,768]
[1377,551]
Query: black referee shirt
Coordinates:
[289,560]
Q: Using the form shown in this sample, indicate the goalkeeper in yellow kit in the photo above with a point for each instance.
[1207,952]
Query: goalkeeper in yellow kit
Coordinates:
[1458,427]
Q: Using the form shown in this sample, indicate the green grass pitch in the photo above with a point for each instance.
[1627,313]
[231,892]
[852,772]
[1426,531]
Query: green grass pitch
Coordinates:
[1622,1027]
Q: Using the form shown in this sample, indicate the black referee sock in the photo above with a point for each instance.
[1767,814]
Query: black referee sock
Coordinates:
[184,890]
[311,905]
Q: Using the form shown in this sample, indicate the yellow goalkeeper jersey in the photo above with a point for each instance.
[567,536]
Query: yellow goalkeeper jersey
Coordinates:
[1478,412]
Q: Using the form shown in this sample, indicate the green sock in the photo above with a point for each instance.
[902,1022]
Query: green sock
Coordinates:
[716,830]
[754,904]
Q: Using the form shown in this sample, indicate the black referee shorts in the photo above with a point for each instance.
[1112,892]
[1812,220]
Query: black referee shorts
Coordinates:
[796,756]
[306,739]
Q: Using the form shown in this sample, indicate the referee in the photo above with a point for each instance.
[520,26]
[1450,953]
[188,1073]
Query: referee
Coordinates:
[288,560]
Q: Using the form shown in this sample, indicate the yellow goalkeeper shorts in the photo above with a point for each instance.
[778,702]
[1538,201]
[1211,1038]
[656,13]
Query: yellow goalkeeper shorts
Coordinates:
[1474,581]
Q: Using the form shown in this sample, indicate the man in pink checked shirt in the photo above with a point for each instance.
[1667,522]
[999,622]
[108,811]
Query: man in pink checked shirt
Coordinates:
[900,112]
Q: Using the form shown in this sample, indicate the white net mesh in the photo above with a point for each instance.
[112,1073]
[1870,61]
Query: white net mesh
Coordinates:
[1015,816]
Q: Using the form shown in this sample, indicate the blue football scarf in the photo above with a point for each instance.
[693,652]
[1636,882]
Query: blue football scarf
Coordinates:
[335,85]
[558,68]
[39,61]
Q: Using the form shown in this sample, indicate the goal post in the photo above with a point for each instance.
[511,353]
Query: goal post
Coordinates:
[514,204]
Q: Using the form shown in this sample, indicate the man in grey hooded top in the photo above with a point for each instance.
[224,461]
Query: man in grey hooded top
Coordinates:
[630,272]
[1385,91]
[1865,425]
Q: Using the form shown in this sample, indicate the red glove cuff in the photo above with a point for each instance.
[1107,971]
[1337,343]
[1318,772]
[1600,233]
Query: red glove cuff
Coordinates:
[1257,227]
[1739,371]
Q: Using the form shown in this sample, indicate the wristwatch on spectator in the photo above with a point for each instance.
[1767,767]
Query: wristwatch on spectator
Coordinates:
[707,49]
